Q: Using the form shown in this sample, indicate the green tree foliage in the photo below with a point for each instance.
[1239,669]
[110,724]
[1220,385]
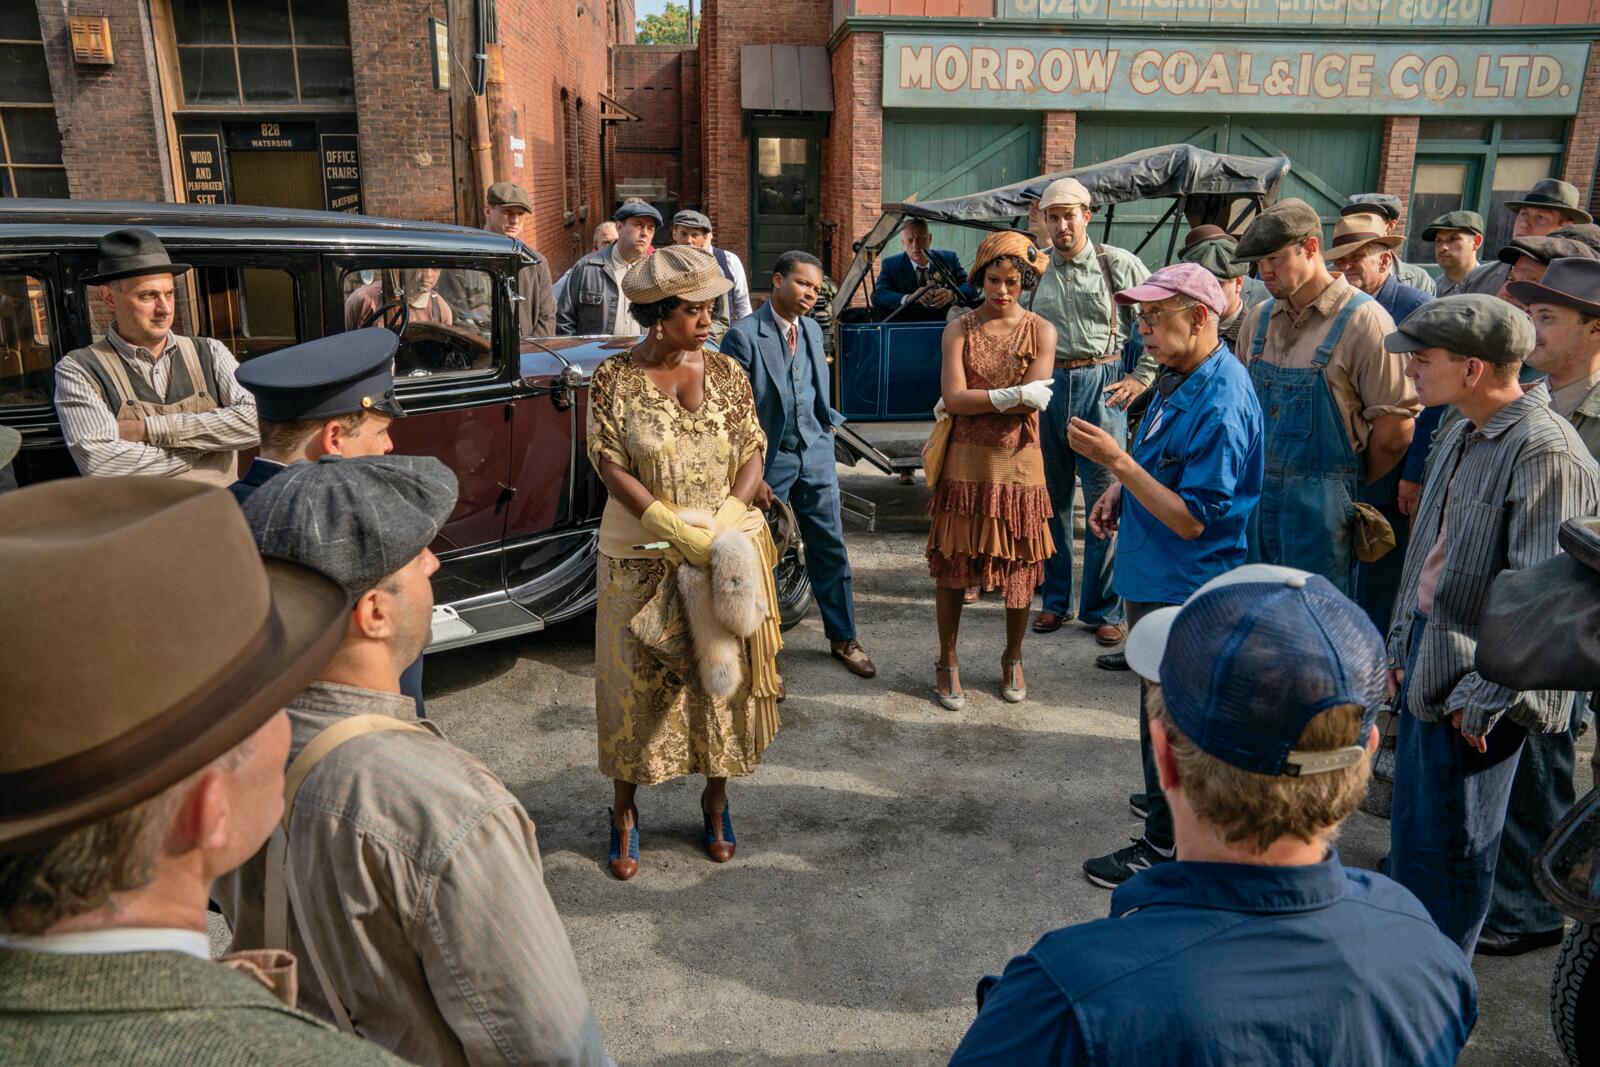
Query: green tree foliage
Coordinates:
[669,27]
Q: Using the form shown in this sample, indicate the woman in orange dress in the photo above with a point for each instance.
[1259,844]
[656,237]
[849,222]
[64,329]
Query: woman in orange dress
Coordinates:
[990,507]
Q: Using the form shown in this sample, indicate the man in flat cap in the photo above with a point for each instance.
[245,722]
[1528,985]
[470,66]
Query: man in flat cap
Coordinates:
[143,399]
[694,229]
[459,956]
[603,237]
[1212,247]
[592,302]
[1077,296]
[1457,236]
[1216,256]
[1388,207]
[1338,408]
[132,777]
[1500,481]
[470,293]
[1565,307]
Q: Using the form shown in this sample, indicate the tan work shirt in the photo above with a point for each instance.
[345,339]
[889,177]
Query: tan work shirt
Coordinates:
[1366,381]
[431,913]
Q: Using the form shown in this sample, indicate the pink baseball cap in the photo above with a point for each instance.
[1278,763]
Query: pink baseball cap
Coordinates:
[1178,279]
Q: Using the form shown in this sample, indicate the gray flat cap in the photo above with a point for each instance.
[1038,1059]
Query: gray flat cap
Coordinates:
[1216,256]
[1280,225]
[1383,203]
[1545,249]
[1585,233]
[509,194]
[1465,221]
[692,219]
[357,520]
[1468,324]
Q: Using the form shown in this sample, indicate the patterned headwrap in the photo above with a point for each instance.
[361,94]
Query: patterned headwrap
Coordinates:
[1008,243]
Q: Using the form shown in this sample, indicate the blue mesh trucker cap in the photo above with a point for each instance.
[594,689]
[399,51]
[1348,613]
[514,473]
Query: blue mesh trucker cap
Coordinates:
[1253,656]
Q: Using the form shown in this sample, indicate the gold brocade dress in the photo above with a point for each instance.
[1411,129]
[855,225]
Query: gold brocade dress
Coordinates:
[991,509]
[655,722]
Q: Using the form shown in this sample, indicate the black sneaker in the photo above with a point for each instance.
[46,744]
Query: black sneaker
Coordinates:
[1139,804]
[1111,871]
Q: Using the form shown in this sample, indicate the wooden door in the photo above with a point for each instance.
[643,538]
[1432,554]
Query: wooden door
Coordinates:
[785,183]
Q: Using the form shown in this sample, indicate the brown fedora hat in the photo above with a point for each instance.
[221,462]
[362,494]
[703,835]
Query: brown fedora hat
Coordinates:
[1357,229]
[144,636]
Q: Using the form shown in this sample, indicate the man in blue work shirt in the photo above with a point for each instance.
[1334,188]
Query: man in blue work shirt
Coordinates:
[1181,501]
[1257,945]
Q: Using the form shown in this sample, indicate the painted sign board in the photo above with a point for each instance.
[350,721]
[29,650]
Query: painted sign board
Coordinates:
[1114,73]
[341,172]
[202,168]
[1254,12]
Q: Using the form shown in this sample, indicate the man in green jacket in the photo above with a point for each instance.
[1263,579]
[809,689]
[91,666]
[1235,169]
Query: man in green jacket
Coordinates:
[136,773]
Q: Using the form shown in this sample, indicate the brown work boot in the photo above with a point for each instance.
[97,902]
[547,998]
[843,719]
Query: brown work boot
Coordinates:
[854,658]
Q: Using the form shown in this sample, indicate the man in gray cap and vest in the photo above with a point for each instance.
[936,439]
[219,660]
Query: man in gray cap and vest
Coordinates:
[459,956]
[1565,307]
[694,229]
[592,302]
[509,212]
[1389,208]
[1338,408]
[1500,482]
[142,761]
[143,399]
[1077,295]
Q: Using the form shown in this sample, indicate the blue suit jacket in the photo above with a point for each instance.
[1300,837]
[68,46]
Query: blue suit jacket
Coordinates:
[757,343]
[897,279]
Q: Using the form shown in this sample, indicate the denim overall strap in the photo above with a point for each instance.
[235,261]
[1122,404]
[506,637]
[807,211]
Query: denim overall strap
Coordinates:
[1258,343]
[1313,476]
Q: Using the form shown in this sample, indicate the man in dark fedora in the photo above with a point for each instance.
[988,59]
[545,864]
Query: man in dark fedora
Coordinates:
[143,399]
[132,777]
[1548,205]
[1565,307]
[1388,207]
[390,822]
[470,294]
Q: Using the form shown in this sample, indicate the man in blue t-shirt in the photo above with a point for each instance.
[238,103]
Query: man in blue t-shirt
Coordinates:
[1182,498]
[1257,945]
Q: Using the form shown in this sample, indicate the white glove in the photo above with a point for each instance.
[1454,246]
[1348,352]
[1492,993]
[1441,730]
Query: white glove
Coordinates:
[939,411]
[1007,398]
[1037,394]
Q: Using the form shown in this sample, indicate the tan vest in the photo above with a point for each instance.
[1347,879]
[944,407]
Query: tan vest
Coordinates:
[213,468]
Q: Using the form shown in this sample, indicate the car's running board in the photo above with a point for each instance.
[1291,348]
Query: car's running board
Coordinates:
[458,627]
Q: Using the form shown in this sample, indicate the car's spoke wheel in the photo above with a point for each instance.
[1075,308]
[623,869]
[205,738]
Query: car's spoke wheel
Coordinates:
[793,584]
[1575,996]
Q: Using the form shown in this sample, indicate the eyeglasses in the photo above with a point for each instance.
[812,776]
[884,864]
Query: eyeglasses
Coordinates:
[1148,319]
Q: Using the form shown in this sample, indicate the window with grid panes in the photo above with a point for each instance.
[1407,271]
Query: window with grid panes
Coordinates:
[1479,165]
[280,52]
[30,142]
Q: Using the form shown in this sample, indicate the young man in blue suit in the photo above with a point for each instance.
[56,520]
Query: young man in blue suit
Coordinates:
[902,274]
[780,349]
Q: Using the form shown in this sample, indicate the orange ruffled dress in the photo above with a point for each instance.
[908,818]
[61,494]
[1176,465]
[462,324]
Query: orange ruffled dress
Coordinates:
[991,508]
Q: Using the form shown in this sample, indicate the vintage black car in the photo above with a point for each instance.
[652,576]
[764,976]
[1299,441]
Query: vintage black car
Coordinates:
[507,413]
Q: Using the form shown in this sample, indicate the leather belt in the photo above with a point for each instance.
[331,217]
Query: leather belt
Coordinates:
[1079,364]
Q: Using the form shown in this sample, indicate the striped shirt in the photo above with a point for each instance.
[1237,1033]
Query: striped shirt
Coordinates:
[1507,489]
[431,912]
[172,442]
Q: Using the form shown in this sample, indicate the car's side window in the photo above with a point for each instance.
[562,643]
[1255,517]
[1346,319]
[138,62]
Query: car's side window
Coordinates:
[444,316]
[24,340]
[249,309]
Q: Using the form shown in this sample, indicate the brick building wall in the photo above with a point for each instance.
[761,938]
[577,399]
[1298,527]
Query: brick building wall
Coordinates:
[725,26]
[407,167]
[1058,139]
[1583,136]
[852,154]
[113,132]
[1397,158]
[660,84]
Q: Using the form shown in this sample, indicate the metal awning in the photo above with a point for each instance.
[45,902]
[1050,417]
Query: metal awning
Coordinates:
[785,77]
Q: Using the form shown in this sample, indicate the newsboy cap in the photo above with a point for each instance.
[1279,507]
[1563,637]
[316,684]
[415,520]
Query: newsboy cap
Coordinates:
[1468,324]
[634,208]
[509,194]
[1544,249]
[1571,282]
[1383,204]
[1064,192]
[692,219]
[356,520]
[1201,234]
[1553,195]
[1465,221]
[682,271]
[1585,233]
[1217,257]
[1280,225]
[340,374]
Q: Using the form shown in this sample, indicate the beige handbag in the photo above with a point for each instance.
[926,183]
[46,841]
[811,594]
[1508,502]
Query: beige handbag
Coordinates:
[938,441]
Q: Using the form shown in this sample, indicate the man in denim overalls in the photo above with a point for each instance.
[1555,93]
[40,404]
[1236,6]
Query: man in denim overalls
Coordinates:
[1338,408]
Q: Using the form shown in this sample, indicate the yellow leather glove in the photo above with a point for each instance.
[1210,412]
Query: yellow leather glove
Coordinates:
[692,541]
[730,514]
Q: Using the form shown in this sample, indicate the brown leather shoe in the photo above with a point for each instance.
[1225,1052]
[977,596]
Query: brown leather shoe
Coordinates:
[854,658]
[1110,634]
[1047,622]
[969,595]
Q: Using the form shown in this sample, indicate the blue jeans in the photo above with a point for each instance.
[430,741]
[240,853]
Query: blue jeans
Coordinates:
[1541,795]
[1079,393]
[808,481]
[1158,823]
[1448,813]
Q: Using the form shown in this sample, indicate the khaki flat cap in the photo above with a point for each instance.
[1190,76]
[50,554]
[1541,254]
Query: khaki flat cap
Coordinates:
[676,270]
[1063,192]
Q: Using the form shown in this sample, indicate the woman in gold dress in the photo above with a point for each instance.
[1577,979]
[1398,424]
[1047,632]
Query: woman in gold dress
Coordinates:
[672,427]
[990,507]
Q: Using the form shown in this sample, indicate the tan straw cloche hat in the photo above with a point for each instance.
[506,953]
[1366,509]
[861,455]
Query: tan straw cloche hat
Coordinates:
[144,636]
[676,270]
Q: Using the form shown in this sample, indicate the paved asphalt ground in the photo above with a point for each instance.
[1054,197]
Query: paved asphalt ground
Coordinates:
[890,852]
